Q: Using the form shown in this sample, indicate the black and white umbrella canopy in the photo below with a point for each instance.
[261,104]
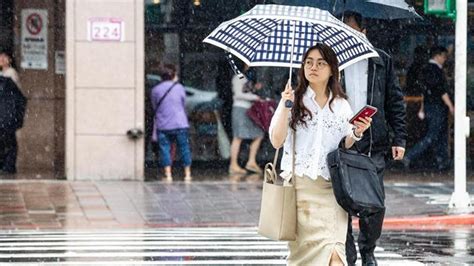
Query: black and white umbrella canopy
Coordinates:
[278,35]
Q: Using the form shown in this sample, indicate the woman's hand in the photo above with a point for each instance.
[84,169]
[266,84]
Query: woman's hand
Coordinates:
[287,94]
[362,125]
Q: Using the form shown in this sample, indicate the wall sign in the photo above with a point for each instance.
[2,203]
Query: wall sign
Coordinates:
[60,62]
[34,39]
[105,29]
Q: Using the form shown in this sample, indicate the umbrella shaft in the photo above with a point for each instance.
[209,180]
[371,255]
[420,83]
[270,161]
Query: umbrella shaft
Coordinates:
[292,49]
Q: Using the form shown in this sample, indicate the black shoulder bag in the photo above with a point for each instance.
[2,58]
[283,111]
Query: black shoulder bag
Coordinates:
[355,181]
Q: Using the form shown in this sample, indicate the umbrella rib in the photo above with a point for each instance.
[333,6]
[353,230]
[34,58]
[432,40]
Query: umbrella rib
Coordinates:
[238,41]
[235,40]
[257,30]
[242,32]
[277,23]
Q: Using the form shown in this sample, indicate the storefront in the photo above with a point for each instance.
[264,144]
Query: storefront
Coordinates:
[87,89]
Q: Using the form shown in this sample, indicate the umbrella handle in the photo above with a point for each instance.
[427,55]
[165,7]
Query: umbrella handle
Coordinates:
[289,103]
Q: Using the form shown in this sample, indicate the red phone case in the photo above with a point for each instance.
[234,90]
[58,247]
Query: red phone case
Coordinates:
[366,111]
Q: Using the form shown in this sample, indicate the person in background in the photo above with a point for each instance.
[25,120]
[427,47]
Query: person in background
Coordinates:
[413,83]
[12,111]
[171,122]
[242,126]
[6,67]
[372,81]
[436,104]
[312,128]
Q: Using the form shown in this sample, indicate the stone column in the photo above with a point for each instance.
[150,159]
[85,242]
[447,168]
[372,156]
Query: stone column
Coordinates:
[104,92]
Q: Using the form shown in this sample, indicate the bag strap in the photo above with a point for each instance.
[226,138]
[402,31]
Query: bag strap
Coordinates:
[164,96]
[293,159]
[342,145]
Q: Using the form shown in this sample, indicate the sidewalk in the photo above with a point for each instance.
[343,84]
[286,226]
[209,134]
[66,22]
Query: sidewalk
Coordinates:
[224,201]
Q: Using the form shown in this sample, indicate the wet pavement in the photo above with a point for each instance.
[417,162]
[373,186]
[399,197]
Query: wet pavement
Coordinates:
[231,201]
[446,247]
[206,221]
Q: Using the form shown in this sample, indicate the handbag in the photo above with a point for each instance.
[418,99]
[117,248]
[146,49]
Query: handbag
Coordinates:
[261,113]
[278,207]
[355,182]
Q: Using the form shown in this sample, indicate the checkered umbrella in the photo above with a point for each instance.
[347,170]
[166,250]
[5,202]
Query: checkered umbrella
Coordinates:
[377,9]
[278,35]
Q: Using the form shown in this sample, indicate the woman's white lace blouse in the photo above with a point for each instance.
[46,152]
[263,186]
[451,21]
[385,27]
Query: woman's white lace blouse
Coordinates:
[321,135]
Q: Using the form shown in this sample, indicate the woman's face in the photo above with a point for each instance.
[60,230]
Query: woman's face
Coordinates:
[4,60]
[316,69]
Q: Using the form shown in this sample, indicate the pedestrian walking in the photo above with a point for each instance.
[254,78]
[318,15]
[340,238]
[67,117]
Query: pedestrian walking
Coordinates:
[171,122]
[318,120]
[373,81]
[7,68]
[413,82]
[436,104]
[12,111]
[242,126]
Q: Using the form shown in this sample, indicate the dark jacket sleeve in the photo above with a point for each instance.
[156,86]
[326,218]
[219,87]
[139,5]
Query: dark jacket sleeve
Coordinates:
[395,109]
[20,104]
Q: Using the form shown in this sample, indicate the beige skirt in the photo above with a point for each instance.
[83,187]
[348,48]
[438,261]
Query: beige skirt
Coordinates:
[322,224]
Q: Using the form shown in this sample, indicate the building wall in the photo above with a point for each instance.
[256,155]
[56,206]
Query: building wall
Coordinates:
[41,140]
[105,86]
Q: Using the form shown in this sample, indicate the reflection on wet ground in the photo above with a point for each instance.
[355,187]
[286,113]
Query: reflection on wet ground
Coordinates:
[64,221]
[213,246]
[453,247]
[217,171]
[50,204]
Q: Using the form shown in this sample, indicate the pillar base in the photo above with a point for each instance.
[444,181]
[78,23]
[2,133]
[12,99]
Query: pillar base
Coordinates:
[460,203]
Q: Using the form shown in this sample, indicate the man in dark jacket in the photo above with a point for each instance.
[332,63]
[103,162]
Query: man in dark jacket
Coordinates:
[12,111]
[436,104]
[373,81]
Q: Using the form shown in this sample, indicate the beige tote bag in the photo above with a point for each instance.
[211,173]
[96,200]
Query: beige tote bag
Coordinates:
[278,208]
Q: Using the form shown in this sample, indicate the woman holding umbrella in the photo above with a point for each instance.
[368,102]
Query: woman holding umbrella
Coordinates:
[318,120]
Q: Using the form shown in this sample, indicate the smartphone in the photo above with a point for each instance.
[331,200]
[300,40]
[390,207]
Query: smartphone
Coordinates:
[366,111]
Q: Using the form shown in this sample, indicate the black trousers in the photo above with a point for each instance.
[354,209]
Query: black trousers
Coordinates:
[370,227]
[8,151]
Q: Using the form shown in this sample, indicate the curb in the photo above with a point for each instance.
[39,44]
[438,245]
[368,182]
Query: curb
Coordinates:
[426,222]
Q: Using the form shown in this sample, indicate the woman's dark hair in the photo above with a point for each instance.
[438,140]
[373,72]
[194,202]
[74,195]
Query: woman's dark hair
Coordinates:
[168,72]
[358,18]
[299,112]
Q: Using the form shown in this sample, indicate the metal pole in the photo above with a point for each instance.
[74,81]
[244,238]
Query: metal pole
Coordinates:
[460,201]
[289,103]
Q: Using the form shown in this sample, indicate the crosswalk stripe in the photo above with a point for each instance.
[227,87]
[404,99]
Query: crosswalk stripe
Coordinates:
[66,238]
[203,262]
[149,243]
[203,246]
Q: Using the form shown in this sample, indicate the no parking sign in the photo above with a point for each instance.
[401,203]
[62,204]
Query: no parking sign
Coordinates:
[34,39]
